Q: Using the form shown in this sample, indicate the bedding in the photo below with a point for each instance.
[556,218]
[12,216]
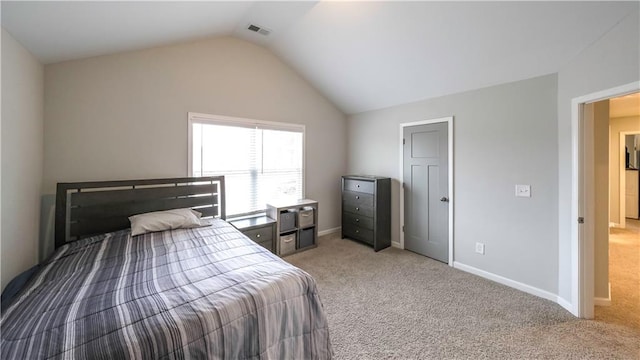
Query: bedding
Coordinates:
[16,285]
[206,292]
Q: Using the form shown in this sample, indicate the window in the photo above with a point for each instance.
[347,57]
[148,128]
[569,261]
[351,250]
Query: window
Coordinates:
[262,161]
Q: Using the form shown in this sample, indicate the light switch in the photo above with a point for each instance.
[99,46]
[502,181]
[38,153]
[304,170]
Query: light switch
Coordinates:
[523,190]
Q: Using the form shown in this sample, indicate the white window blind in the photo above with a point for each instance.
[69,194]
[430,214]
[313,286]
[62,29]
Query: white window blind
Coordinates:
[262,162]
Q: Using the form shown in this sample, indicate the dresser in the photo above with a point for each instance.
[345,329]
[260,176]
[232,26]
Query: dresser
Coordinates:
[366,210]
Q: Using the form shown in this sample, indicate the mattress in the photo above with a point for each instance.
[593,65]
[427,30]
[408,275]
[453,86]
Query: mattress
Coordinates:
[206,292]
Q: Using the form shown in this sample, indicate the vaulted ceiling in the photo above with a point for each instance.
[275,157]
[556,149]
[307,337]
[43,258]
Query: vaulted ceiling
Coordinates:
[361,55]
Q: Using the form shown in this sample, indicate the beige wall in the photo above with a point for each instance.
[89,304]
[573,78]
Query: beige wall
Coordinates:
[616,161]
[22,138]
[503,135]
[124,116]
[601,197]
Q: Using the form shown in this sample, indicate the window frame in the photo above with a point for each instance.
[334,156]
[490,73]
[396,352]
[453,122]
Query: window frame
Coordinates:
[201,118]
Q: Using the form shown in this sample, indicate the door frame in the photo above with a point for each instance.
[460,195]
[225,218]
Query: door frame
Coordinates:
[582,201]
[449,121]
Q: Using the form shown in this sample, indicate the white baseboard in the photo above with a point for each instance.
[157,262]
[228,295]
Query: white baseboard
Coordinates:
[598,301]
[329,231]
[508,282]
[565,304]
[396,244]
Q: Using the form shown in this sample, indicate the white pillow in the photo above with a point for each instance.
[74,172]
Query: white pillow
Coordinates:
[164,220]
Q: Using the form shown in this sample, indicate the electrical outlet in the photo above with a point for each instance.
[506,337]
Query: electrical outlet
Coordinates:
[523,190]
[480,248]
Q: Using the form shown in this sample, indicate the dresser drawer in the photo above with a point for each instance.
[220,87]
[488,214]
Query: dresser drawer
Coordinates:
[359,186]
[260,235]
[356,198]
[357,209]
[358,220]
[358,233]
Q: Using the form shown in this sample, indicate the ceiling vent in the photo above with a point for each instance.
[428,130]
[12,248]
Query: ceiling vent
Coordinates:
[258,29]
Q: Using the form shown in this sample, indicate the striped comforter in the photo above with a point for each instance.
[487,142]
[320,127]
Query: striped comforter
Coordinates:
[199,293]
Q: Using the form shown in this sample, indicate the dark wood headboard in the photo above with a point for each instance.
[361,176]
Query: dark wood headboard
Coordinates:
[89,208]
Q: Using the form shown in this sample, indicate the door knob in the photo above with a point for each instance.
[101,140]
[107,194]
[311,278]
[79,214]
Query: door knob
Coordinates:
[444,199]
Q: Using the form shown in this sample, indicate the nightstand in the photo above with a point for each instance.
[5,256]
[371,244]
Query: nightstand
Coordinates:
[260,229]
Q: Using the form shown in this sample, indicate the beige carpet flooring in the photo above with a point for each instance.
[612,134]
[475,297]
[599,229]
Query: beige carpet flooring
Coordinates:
[624,277]
[395,304]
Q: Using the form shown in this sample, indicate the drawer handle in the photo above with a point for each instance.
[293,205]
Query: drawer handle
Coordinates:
[358,185]
[258,235]
[357,197]
[357,220]
[357,231]
[357,209]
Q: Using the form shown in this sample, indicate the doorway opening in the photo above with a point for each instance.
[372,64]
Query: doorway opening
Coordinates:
[617,288]
[595,208]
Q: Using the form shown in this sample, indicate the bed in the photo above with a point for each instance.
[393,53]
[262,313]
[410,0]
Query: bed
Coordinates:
[204,292]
